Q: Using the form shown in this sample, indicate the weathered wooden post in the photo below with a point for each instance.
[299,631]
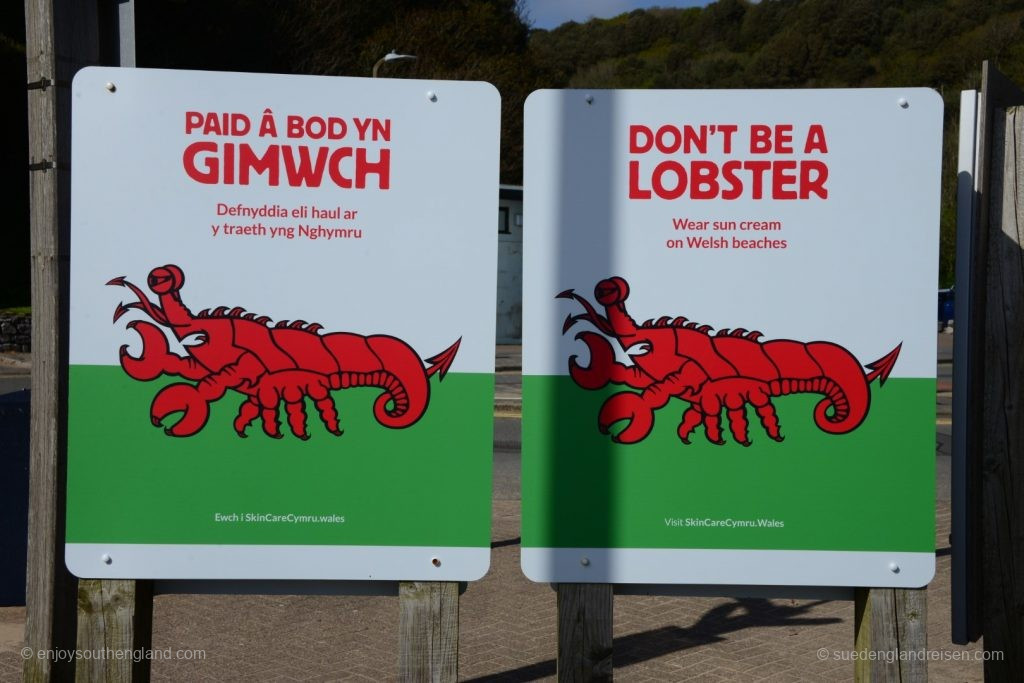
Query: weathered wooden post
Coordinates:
[585,631]
[114,616]
[60,36]
[428,631]
[890,620]
[988,424]
[1003,413]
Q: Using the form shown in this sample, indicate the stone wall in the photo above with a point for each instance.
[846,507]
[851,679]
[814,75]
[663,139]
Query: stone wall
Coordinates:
[15,332]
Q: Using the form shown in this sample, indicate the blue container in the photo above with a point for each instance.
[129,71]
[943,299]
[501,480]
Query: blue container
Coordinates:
[945,307]
[14,413]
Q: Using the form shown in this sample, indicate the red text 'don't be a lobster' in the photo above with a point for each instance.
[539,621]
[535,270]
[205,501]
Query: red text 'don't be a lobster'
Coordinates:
[766,173]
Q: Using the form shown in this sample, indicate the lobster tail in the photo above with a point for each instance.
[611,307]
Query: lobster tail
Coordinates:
[882,368]
[404,381]
[823,368]
[848,399]
[391,365]
[392,407]
[442,362]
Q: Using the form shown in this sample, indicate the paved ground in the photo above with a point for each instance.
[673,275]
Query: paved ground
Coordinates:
[508,623]
[15,372]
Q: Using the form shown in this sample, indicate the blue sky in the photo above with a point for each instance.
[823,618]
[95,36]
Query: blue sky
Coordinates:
[551,13]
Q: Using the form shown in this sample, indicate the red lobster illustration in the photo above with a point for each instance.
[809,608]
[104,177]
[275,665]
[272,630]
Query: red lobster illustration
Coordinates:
[729,369]
[268,365]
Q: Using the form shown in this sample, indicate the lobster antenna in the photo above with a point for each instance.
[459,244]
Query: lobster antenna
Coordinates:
[595,318]
[154,312]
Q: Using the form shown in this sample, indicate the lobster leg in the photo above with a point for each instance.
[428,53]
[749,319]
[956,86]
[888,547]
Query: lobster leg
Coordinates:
[292,387]
[711,406]
[766,411]
[734,393]
[247,412]
[296,410]
[736,411]
[691,418]
[271,424]
[328,413]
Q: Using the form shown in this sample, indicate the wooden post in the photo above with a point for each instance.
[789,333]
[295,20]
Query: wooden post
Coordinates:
[428,631]
[888,624]
[585,632]
[116,618]
[50,589]
[1003,415]
[986,413]
[62,36]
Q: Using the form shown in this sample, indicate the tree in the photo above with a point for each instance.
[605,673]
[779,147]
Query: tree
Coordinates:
[483,40]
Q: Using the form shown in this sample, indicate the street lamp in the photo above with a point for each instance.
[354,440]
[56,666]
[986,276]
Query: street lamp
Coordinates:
[391,57]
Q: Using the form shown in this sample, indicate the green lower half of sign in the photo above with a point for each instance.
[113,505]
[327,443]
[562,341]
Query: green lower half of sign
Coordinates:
[872,489]
[425,485]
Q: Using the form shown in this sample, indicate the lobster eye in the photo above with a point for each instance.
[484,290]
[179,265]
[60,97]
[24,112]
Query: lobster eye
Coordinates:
[165,279]
[611,291]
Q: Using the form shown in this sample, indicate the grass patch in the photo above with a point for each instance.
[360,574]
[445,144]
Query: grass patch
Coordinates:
[16,310]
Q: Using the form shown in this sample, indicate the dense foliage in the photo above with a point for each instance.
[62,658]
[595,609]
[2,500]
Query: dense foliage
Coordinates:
[728,44]
[799,44]
[789,43]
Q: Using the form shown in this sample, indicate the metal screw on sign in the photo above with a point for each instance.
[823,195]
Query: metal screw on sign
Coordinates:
[110,87]
[436,562]
[432,96]
[107,559]
[585,561]
[589,99]
[894,568]
[903,103]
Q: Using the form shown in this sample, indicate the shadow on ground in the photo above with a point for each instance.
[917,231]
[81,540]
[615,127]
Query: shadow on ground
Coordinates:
[710,628]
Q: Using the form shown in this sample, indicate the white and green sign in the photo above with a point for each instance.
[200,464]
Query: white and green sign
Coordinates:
[282,331]
[729,336]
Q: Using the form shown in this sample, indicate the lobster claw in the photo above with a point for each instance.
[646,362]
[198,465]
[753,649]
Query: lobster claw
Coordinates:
[150,363]
[602,358]
[626,406]
[183,398]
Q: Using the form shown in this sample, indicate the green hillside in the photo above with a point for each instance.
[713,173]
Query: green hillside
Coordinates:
[788,44]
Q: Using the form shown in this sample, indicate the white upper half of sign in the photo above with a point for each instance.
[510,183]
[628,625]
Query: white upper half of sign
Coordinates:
[365,205]
[828,200]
